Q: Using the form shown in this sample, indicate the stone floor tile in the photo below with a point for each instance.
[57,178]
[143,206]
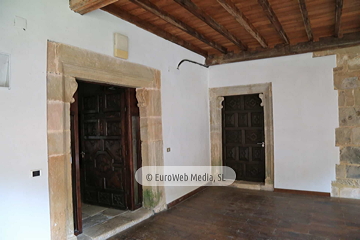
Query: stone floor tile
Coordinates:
[113,212]
[94,220]
[92,210]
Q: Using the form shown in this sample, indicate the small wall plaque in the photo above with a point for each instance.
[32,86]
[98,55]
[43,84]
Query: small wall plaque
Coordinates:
[4,70]
[121,46]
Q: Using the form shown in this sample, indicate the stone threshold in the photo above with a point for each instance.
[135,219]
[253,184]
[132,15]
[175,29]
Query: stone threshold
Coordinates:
[115,225]
[249,185]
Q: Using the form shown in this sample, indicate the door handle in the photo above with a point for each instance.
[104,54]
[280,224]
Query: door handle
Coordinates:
[262,144]
[82,154]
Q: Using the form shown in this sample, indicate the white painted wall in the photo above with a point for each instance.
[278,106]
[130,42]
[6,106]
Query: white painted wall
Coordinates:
[305,115]
[24,205]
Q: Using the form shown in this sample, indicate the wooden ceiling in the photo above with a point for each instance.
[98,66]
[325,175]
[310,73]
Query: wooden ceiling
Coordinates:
[226,31]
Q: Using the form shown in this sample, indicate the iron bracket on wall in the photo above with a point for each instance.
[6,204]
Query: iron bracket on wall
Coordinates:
[187,60]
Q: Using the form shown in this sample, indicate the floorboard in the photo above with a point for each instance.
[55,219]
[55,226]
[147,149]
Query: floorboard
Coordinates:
[231,213]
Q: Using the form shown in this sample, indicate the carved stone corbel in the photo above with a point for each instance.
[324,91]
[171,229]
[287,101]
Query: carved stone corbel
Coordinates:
[261,96]
[142,95]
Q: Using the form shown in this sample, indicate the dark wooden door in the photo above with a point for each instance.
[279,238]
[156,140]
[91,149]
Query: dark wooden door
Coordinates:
[243,137]
[75,165]
[103,140]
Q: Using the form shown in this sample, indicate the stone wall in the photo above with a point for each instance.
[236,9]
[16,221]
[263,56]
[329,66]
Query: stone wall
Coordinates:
[347,83]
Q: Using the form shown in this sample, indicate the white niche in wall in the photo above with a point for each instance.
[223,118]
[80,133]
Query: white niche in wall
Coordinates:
[4,70]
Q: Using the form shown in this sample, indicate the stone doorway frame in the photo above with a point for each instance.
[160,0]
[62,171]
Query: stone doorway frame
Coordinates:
[65,64]
[216,98]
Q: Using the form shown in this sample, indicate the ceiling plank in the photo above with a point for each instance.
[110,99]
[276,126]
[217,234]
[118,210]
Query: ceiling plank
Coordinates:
[348,40]
[240,18]
[147,5]
[153,29]
[86,6]
[338,12]
[306,20]
[197,12]
[273,19]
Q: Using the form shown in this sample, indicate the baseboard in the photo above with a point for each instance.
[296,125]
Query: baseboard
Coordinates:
[324,194]
[186,196]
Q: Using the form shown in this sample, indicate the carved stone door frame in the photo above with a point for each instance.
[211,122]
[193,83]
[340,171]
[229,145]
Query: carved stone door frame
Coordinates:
[216,98]
[65,64]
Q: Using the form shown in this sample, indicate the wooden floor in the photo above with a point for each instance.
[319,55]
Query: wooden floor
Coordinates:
[230,213]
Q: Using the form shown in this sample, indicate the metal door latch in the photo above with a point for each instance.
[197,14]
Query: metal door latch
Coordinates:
[262,144]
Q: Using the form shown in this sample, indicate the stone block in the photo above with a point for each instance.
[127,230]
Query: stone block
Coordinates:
[346,98]
[341,59]
[357,96]
[343,136]
[352,183]
[353,61]
[151,129]
[149,102]
[346,80]
[131,74]
[341,98]
[335,192]
[57,113]
[58,196]
[216,158]
[352,171]
[350,193]
[356,136]
[340,171]
[58,143]
[157,79]
[349,116]
[350,155]
[55,87]
[153,152]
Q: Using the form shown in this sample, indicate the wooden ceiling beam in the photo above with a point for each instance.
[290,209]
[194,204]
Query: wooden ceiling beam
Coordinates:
[147,5]
[273,19]
[338,12]
[348,40]
[85,6]
[197,12]
[230,7]
[153,29]
[306,20]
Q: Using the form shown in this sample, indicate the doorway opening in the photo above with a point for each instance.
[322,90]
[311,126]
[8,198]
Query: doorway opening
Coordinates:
[243,137]
[232,122]
[105,145]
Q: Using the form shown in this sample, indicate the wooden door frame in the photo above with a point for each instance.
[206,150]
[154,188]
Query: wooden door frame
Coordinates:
[75,165]
[65,64]
[132,111]
[216,96]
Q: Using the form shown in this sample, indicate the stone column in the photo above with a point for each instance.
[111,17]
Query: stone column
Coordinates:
[59,152]
[215,129]
[149,103]
[347,83]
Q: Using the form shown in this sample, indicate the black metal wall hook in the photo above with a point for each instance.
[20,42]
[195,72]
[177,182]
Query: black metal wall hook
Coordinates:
[187,60]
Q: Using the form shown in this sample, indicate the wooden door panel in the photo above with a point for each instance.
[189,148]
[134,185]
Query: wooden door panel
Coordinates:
[102,140]
[243,130]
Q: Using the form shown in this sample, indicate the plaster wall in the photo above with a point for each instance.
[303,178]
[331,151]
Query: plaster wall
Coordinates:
[305,115]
